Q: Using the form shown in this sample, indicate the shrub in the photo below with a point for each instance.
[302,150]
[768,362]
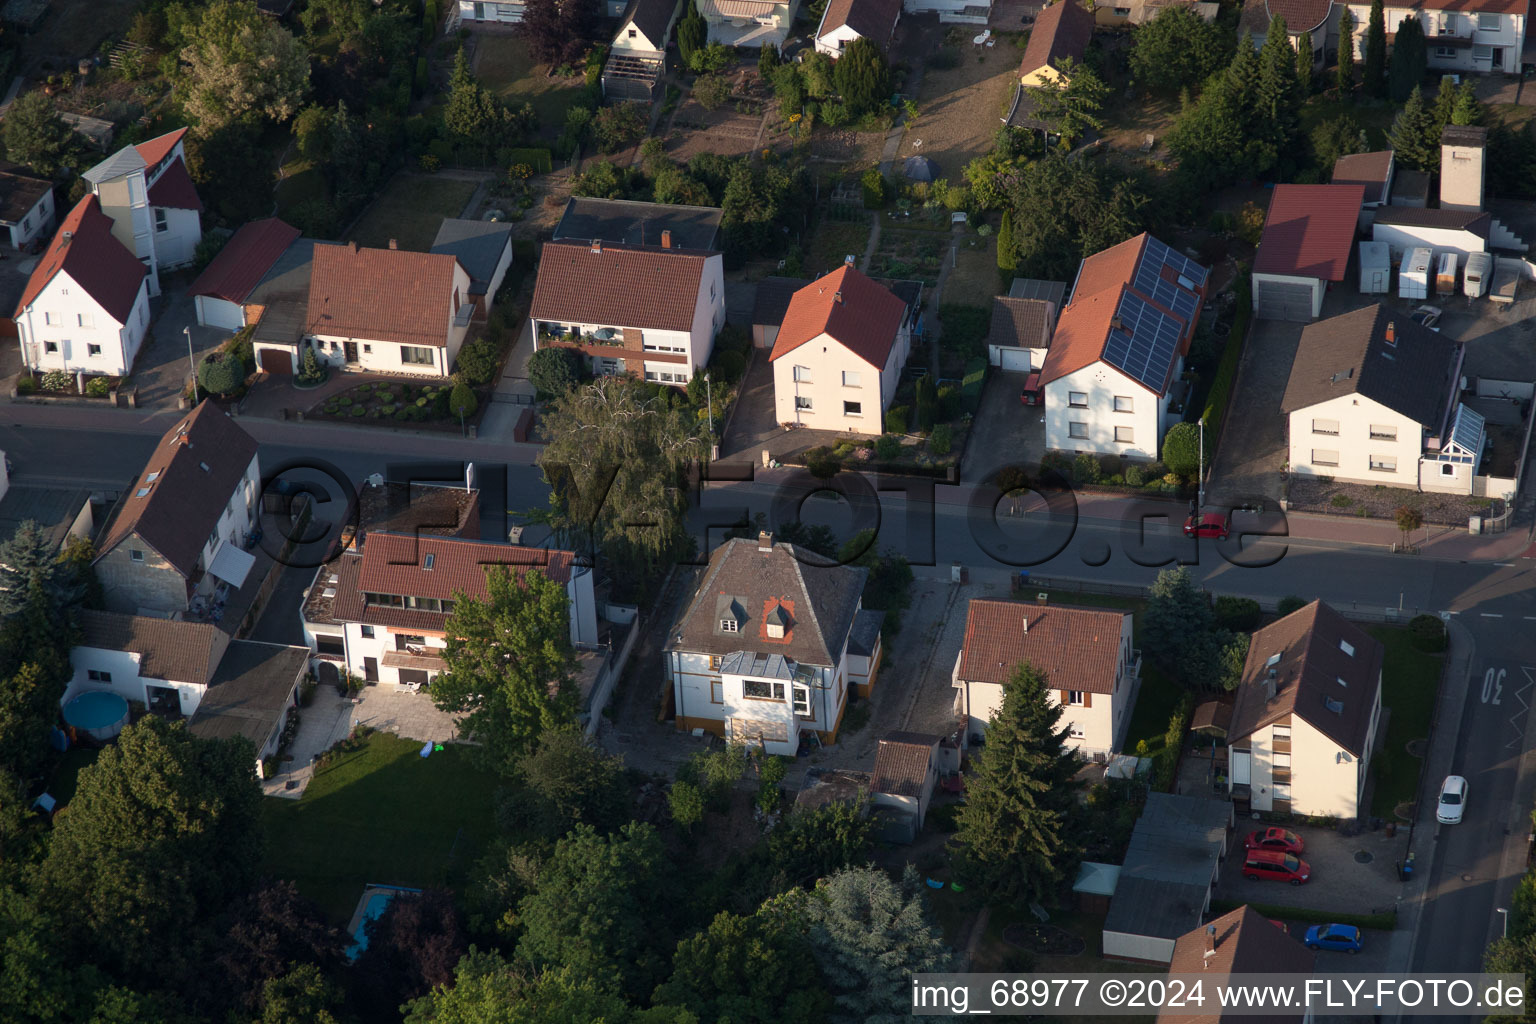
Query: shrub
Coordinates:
[556,370]
[942,439]
[477,362]
[344,400]
[1427,633]
[616,127]
[1086,468]
[358,410]
[56,380]
[386,410]
[219,374]
[1238,614]
[727,367]
[948,406]
[896,419]
[887,446]
[1182,449]
[821,463]
[874,186]
[711,91]
[733,339]
[25,385]
[462,402]
[98,387]
[421,403]
[1341,501]
[1290,604]
[1135,476]
[331,409]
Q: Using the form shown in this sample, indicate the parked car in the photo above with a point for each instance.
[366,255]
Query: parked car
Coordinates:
[1275,865]
[1275,839]
[1341,938]
[1208,524]
[1427,316]
[1453,800]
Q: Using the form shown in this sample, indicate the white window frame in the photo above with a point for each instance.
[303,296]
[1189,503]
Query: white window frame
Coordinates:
[801,700]
[1383,463]
[775,689]
[1327,427]
[853,408]
[1075,699]
[1077,399]
[1077,431]
[1447,469]
[1282,791]
[93,350]
[85,320]
[1445,52]
[730,626]
[406,351]
[135,555]
[1482,22]
[1280,733]
[1482,53]
[802,375]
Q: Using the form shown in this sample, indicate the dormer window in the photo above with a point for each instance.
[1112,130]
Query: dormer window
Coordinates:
[1347,647]
[778,623]
[729,626]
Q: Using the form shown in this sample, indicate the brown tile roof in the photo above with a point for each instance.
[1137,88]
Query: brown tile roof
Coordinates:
[1348,354]
[1369,170]
[750,585]
[1300,15]
[1476,221]
[1077,648]
[901,763]
[861,314]
[245,259]
[1062,30]
[181,652]
[433,509]
[397,563]
[196,467]
[1022,323]
[1309,231]
[875,20]
[93,258]
[618,286]
[382,294]
[1245,943]
[18,194]
[1081,331]
[1307,677]
[1108,267]
[174,189]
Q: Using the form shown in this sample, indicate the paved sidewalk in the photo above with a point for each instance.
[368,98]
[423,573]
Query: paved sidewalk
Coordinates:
[327,720]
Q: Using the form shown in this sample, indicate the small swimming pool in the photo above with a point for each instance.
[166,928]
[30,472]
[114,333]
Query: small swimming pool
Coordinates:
[102,715]
[370,908]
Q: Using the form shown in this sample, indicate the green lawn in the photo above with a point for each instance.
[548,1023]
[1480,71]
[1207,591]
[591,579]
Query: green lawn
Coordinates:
[381,814]
[66,776]
[831,242]
[410,210]
[504,66]
[301,180]
[1410,681]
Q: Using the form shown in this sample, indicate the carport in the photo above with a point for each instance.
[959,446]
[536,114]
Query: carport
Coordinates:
[1308,235]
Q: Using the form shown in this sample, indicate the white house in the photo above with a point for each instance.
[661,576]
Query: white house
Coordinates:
[1481,36]
[1407,227]
[1062,31]
[148,193]
[642,309]
[1308,234]
[382,613]
[750,23]
[764,652]
[1372,398]
[1091,668]
[1317,18]
[645,27]
[505,12]
[951,12]
[86,305]
[843,21]
[1020,334]
[190,670]
[1305,717]
[1111,375]
[223,292]
[1241,941]
[484,249]
[838,355]
[26,208]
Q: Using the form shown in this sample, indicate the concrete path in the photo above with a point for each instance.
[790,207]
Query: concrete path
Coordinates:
[514,392]
[874,243]
[327,720]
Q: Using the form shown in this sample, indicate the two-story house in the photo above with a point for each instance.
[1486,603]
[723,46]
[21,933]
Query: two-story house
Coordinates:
[381,613]
[387,309]
[86,304]
[1462,35]
[1317,19]
[26,207]
[765,651]
[647,310]
[1110,378]
[838,355]
[1086,655]
[1305,717]
[1241,941]
[843,21]
[750,23]
[181,528]
[148,193]
[1373,398]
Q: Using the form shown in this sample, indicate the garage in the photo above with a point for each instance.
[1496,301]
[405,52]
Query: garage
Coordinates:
[221,313]
[1012,359]
[1309,235]
[1020,333]
[276,361]
[1283,300]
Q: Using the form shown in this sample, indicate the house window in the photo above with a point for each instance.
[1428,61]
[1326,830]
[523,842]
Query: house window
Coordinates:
[93,350]
[1077,430]
[53,319]
[135,555]
[1281,761]
[1447,470]
[850,378]
[161,223]
[1482,53]
[716,692]
[1281,733]
[802,402]
[803,701]
[802,375]
[416,355]
[1123,403]
[729,626]
[1382,432]
[1324,457]
[1125,435]
[1490,22]
[404,640]
[99,677]
[1347,647]
[50,346]
[1076,732]
[85,320]
[1384,463]
[1329,427]
[759,689]
[1283,791]
[1077,399]
[332,645]
[367,347]
[26,223]
[367,632]
[1075,698]
[714,663]
[1445,52]
[853,408]
[632,35]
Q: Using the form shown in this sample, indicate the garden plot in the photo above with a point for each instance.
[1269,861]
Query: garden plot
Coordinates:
[961,108]
[908,255]
[731,129]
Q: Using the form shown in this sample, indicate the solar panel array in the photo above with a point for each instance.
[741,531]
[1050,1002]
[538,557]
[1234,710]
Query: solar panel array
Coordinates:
[1144,345]
[1151,283]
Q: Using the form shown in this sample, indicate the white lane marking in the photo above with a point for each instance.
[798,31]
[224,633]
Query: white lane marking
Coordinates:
[1491,615]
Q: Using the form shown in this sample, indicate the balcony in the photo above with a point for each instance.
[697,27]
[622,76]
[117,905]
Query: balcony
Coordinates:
[414,657]
[1133,669]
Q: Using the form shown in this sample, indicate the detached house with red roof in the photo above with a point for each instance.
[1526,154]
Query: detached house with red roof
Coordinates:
[1111,374]
[1063,30]
[86,306]
[1305,247]
[839,353]
[846,20]
[149,196]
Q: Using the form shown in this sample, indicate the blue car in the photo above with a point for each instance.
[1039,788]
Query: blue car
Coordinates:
[1341,938]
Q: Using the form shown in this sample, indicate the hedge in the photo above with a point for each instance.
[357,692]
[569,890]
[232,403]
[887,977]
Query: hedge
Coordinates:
[538,159]
[1378,922]
[1226,373]
[971,383]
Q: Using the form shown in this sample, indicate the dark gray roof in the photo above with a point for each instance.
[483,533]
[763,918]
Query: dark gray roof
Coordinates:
[1034,288]
[866,632]
[250,692]
[752,587]
[18,194]
[1464,135]
[910,292]
[1348,354]
[1169,865]
[1408,183]
[1475,221]
[1021,323]
[773,295]
[623,222]
[759,666]
[289,276]
[652,17]
[478,244]
[53,509]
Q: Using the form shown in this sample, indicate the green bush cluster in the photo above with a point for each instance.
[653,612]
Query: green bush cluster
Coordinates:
[1290,604]
[56,380]
[1237,614]
[1427,633]
[887,447]
[896,419]
[98,387]
[942,440]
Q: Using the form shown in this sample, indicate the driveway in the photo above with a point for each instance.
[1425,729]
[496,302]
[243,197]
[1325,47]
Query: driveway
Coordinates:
[1350,874]
[1253,441]
[161,371]
[1005,432]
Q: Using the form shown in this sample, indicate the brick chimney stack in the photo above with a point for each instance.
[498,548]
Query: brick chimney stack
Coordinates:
[666,238]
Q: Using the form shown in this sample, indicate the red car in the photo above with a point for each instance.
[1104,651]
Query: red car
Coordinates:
[1208,524]
[1275,839]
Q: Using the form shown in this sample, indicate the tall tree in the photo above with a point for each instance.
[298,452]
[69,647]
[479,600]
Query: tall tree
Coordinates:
[302,995]
[1178,49]
[1339,136]
[1344,73]
[267,932]
[488,990]
[1278,97]
[412,948]
[163,830]
[240,65]
[476,118]
[758,968]
[1016,826]
[1468,109]
[1410,59]
[558,31]
[28,564]
[1304,65]
[509,660]
[1374,69]
[1177,618]
[1414,137]
[1007,255]
[1445,101]
[692,34]
[1069,104]
[568,780]
[34,133]
[870,936]
[863,77]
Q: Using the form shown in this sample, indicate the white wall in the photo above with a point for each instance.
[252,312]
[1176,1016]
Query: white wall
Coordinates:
[833,43]
[497,276]
[382,356]
[1036,356]
[491,12]
[1322,783]
[36,221]
[708,311]
[221,313]
[1318,286]
[1510,36]
[55,317]
[828,365]
[238,516]
[1400,238]
[126,681]
[1102,383]
[177,244]
[1355,415]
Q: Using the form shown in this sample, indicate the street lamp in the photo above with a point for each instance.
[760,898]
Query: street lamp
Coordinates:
[191,360]
[1200,469]
[709,398]
[1503,913]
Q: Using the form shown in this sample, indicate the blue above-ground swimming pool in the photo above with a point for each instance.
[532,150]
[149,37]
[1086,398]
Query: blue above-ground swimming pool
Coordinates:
[100,715]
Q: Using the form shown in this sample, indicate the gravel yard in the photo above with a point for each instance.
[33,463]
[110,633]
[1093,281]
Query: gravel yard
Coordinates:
[1310,494]
[961,108]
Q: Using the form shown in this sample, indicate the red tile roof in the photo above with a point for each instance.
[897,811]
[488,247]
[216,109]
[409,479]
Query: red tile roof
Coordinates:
[1300,15]
[396,563]
[1080,334]
[618,286]
[862,315]
[93,258]
[158,148]
[1245,942]
[1109,267]
[1062,30]
[245,259]
[1077,648]
[1310,231]
[382,294]
[174,189]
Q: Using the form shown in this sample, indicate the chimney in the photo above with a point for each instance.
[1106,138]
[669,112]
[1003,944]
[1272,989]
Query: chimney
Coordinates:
[666,238]
[764,541]
[1026,624]
[597,245]
[1116,324]
[1391,332]
[394,244]
[67,236]
[837,296]
[1210,945]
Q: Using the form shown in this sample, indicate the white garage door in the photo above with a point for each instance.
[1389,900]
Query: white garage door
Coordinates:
[1282,301]
[1015,359]
[212,312]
